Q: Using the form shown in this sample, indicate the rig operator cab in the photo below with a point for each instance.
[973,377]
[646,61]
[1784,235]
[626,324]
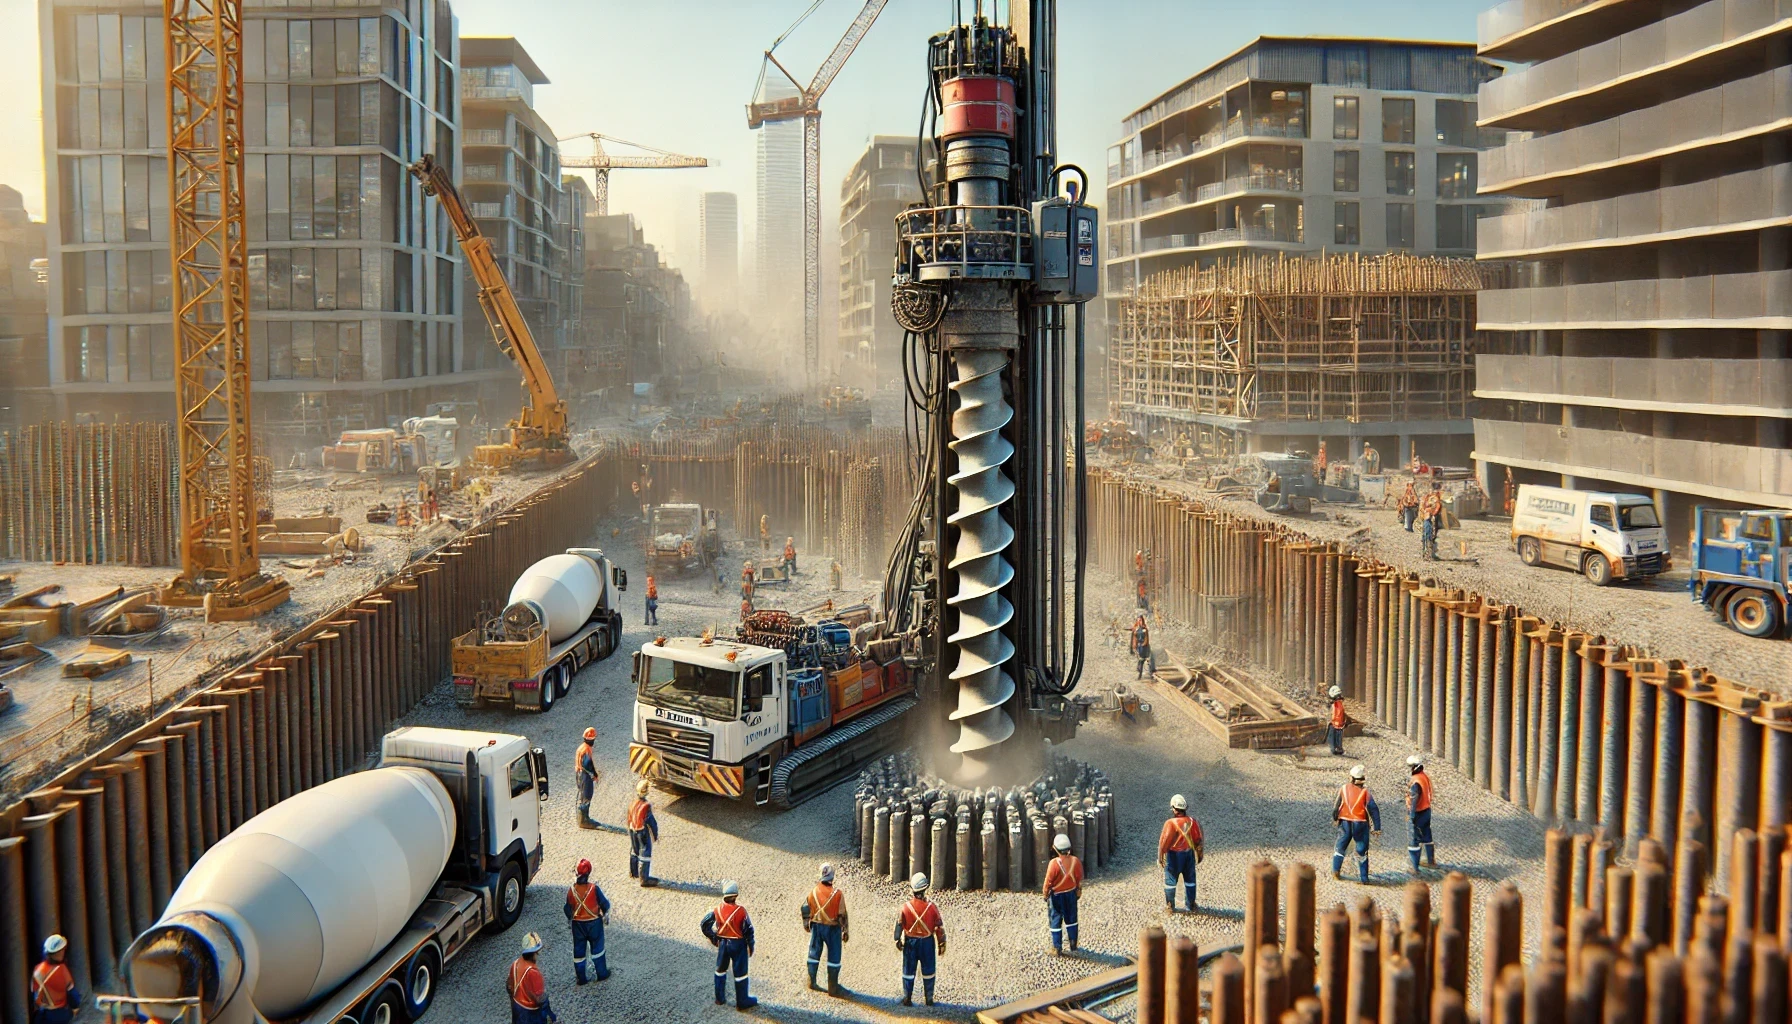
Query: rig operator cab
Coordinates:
[1742,567]
[1605,537]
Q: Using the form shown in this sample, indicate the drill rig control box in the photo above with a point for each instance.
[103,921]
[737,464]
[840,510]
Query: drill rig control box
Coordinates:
[1064,269]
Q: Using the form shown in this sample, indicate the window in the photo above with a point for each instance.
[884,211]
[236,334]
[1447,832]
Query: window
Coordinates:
[522,776]
[1601,515]
[1345,117]
[681,686]
[1346,223]
[1456,123]
[1642,517]
[1398,121]
[759,686]
[1345,166]
[1456,226]
[1400,225]
[1455,175]
[1400,176]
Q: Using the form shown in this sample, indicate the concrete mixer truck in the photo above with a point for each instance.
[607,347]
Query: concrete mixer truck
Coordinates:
[344,903]
[562,615]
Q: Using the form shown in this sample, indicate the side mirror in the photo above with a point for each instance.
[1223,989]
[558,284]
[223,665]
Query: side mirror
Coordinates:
[619,577]
[540,759]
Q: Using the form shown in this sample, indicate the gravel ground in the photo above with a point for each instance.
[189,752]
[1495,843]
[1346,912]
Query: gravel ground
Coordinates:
[1657,617]
[1252,806]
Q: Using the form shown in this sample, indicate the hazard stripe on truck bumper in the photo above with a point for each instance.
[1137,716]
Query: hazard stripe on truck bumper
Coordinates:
[720,779]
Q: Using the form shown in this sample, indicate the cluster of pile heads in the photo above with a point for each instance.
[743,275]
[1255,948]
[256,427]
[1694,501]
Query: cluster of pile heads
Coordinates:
[907,821]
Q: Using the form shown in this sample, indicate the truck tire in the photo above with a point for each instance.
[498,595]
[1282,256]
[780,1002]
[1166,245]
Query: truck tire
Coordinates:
[615,632]
[511,890]
[1597,569]
[550,688]
[563,679]
[1529,551]
[1753,613]
[384,1007]
[420,976]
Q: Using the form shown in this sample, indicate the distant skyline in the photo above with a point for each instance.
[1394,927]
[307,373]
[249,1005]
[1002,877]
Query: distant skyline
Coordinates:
[687,91]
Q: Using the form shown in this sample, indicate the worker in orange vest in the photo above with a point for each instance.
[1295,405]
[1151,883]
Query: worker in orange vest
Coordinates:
[1334,729]
[824,918]
[1179,851]
[586,776]
[1418,810]
[921,935]
[653,602]
[53,991]
[730,930]
[1063,887]
[746,608]
[1431,521]
[790,554]
[586,908]
[643,832]
[528,989]
[1408,506]
[1358,818]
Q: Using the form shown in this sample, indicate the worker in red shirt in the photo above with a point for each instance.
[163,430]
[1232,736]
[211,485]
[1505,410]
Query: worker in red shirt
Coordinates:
[586,775]
[824,918]
[1063,887]
[586,908]
[1334,729]
[730,930]
[528,989]
[643,832]
[1418,810]
[921,935]
[53,991]
[1358,818]
[653,602]
[790,554]
[1179,850]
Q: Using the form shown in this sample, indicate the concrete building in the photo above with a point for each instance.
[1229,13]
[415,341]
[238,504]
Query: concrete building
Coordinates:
[24,334]
[718,250]
[1300,145]
[354,277]
[776,297]
[639,306]
[1646,345]
[876,188]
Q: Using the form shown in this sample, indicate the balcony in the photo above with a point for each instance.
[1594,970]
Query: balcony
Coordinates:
[483,137]
[1734,472]
[1744,201]
[1250,233]
[1269,181]
[1237,128]
[1757,300]
[1527,165]
[1503,26]
[1622,61]
[1716,387]
[1161,203]
[486,210]
[1154,243]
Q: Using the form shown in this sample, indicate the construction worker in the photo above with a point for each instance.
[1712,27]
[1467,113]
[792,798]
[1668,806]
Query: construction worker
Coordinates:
[1431,520]
[653,602]
[1063,887]
[1357,818]
[1319,463]
[921,935]
[1369,463]
[730,930]
[1138,563]
[53,991]
[643,832]
[1334,729]
[528,989]
[746,608]
[1144,595]
[586,908]
[1141,647]
[1408,506]
[1179,850]
[586,774]
[1418,811]
[824,918]
[765,533]
[790,554]
[837,575]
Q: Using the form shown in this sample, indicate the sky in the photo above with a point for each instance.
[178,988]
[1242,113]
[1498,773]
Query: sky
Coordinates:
[677,74]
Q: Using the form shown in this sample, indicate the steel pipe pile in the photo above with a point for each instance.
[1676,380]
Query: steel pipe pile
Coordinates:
[89,494]
[991,839]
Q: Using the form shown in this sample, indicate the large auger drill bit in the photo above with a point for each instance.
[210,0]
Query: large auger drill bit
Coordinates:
[983,534]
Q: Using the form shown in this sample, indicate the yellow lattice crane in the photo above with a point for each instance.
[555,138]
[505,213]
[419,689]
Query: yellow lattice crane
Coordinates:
[603,162]
[208,246]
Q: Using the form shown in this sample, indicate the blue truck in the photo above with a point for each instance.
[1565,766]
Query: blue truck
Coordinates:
[1742,567]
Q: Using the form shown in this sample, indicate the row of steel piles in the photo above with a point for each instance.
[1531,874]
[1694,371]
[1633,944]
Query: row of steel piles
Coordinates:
[96,854]
[1573,727]
[89,494]
[1411,966]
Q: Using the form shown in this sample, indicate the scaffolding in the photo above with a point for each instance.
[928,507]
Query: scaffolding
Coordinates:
[1352,339]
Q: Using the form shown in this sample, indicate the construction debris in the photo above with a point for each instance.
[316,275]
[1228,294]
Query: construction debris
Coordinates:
[1247,715]
[95,662]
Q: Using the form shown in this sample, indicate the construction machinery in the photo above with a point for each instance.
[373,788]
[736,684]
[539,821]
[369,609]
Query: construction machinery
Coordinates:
[564,613]
[1742,567]
[603,162]
[538,436]
[806,106]
[682,536]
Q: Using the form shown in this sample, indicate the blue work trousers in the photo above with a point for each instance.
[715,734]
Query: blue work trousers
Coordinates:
[1061,913]
[587,786]
[917,953]
[520,1014]
[1335,736]
[588,947]
[731,951]
[640,854]
[1352,832]
[1179,864]
[823,938]
[59,1015]
[1408,516]
[653,611]
[1421,839]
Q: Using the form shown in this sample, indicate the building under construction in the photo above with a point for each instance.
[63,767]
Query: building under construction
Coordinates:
[1270,353]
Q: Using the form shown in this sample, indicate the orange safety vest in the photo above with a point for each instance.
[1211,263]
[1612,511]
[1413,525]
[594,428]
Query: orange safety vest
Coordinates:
[1339,718]
[789,552]
[653,589]
[825,904]
[729,920]
[520,993]
[915,915]
[1423,781]
[1065,874]
[583,897]
[578,759]
[1353,804]
[1431,505]
[1182,829]
[50,984]
[638,810]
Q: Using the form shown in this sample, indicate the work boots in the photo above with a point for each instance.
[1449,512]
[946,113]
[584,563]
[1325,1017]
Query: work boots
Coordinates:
[813,987]
[585,820]
[834,988]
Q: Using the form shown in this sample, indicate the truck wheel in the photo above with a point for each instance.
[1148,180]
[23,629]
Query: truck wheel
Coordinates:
[563,682]
[615,634]
[510,895]
[385,1007]
[1753,613]
[1597,569]
[420,981]
[550,688]
[1529,551]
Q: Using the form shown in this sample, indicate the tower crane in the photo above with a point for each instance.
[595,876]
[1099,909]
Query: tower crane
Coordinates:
[806,106]
[603,162]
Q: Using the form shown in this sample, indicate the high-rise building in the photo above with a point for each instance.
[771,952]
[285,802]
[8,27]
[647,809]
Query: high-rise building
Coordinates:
[776,298]
[24,279]
[354,278]
[1648,345]
[718,249]
[880,183]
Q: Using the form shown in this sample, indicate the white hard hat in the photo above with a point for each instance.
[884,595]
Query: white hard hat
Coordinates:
[919,882]
[532,942]
[1334,693]
[1359,772]
[1178,803]
[1414,761]
[642,787]
[1062,843]
[55,944]
[827,872]
[730,888]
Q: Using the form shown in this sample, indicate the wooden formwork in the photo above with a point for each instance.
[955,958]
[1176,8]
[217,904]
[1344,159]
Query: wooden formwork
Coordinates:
[1235,708]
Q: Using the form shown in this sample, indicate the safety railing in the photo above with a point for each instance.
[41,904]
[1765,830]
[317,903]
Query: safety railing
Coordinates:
[946,242]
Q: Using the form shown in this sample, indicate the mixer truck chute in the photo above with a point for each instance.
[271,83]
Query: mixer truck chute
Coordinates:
[563,614]
[345,902]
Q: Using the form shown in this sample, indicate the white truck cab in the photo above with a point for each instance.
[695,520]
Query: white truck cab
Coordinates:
[1606,536]
[707,711]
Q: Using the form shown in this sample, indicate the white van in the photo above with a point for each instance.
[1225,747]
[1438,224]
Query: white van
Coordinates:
[1606,536]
